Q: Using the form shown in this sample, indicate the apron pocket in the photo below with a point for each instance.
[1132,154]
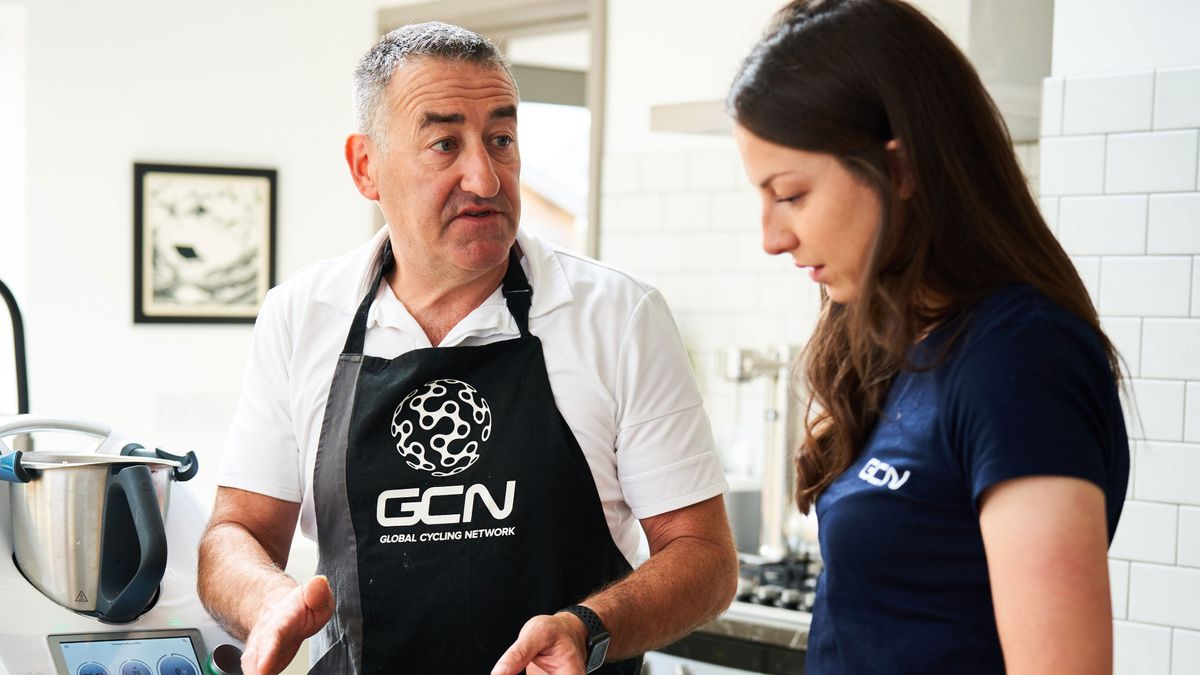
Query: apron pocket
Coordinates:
[335,660]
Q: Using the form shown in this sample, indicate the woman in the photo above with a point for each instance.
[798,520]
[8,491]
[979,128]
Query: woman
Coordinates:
[965,451]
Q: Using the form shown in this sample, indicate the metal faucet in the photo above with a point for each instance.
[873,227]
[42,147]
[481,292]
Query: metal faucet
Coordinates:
[781,419]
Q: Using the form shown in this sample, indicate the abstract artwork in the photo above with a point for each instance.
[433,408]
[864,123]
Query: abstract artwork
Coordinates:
[204,243]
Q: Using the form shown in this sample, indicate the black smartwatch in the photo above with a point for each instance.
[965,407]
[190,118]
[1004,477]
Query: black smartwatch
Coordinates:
[597,637]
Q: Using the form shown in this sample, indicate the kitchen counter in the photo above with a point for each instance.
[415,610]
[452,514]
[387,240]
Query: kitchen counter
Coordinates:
[746,638]
[765,625]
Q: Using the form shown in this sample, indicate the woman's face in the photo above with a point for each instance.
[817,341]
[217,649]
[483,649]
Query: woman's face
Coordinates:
[815,210]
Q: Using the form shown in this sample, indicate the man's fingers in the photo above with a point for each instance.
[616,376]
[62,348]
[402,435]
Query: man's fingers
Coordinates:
[532,640]
[294,617]
[318,597]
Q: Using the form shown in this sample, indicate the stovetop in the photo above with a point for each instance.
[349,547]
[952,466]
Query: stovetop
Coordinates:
[790,584]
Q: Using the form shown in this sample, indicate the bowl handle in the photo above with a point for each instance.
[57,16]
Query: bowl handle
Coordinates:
[128,586]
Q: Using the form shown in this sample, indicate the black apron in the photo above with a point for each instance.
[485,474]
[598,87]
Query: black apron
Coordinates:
[453,503]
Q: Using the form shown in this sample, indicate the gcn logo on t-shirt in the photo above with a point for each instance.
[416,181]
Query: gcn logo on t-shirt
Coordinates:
[878,472]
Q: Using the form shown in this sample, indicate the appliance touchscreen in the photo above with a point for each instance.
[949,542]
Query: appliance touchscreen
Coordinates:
[134,656]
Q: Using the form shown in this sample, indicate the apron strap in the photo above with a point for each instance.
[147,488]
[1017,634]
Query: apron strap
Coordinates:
[517,293]
[358,328]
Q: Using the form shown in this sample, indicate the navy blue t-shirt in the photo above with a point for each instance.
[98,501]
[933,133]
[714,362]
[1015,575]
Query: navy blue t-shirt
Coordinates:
[1025,390]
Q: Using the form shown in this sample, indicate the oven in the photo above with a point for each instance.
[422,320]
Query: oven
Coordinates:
[765,630]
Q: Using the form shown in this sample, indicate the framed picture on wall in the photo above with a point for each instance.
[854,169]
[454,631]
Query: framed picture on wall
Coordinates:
[203,243]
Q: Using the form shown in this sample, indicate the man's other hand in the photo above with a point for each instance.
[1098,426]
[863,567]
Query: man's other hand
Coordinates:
[284,624]
[546,644]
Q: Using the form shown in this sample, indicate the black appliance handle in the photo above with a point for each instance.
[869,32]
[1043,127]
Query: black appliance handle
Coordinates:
[129,586]
[189,464]
[18,328]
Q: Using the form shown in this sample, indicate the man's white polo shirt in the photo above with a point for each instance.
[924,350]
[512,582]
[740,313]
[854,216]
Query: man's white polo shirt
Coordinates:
[617,366]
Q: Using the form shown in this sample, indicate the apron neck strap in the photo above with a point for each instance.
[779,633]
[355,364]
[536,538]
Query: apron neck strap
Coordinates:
[517,293]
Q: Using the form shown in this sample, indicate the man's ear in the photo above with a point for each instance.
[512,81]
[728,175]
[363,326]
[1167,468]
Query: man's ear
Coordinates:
[900,168]
[360,153]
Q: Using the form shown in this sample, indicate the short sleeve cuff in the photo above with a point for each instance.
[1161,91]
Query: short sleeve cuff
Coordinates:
[257,486]
[674,486]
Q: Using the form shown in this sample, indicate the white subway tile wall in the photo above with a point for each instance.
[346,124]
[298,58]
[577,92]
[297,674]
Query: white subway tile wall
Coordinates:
[1126,336]
[1161,161]
[1164,595]
[1145,286]
[1185,652]
[1072,165]
[1156,411]
[1118,583]
[1108,103]
[1117,179]
[1141,650]
[1177,99]
[695,234]
[1191,415]
[1189,537]
[1167,472]
[1049,207]
[1171,348]
[1147,533]
[1103,225]
[1174,224]
[1052,106]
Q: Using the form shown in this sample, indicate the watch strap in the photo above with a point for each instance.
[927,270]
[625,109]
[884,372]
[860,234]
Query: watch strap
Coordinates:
[590,620]
[598,638]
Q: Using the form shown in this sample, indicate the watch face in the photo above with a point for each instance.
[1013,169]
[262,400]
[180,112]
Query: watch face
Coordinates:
[598,649]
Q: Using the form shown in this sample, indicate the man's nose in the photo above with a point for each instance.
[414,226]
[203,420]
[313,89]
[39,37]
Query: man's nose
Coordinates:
[777,237]
[479,174]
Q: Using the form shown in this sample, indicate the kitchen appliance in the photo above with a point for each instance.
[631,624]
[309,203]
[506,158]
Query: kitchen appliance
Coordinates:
[88,528]
[74,558]
[42,635]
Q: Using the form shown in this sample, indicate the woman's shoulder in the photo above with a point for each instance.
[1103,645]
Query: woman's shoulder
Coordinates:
[1018,317]
[1017,336]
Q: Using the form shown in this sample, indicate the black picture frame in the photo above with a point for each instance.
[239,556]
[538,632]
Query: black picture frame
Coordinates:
[203,242]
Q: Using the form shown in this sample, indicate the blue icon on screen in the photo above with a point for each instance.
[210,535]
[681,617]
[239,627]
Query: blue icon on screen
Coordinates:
[135,668]
[92,668]
[176,665]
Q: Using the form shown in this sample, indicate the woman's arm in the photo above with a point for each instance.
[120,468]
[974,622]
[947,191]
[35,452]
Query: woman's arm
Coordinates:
[1047,553]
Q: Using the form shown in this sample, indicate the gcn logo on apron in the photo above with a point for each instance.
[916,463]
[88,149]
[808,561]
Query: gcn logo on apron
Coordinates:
[440,425]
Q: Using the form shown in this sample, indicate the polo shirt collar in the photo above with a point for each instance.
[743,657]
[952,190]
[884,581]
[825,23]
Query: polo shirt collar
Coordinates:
[350,276]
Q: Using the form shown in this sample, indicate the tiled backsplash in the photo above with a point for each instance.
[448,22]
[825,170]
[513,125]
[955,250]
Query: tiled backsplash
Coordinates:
[1117,170]
[688,222]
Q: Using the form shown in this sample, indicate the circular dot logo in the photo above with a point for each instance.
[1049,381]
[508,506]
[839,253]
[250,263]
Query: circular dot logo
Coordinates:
[440,425]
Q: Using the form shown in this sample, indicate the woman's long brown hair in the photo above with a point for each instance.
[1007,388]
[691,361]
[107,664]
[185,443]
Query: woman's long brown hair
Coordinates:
[844,77]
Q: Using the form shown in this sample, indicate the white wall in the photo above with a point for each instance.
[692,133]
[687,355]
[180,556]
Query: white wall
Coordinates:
[1112,36]
[1120,180]
[12,183]
[224,83]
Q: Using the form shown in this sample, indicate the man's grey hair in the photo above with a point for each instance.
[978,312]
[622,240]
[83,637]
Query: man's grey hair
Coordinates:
[434,40]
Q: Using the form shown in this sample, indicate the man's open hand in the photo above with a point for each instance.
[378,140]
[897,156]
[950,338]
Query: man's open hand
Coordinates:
[284,624]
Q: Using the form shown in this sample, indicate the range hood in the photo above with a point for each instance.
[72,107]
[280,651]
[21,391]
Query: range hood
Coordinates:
[1008,42]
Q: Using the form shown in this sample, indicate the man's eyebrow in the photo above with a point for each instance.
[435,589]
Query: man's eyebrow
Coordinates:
[504,112]
[431,118]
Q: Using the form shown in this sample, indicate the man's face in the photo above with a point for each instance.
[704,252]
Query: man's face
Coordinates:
[448,175]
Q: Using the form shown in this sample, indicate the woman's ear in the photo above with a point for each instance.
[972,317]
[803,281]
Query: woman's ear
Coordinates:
[899,167]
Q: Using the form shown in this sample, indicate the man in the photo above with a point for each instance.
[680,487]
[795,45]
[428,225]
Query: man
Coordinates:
[501,412]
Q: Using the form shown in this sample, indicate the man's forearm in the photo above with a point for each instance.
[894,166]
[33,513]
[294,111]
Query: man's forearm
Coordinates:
[688,582]
[237,578]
